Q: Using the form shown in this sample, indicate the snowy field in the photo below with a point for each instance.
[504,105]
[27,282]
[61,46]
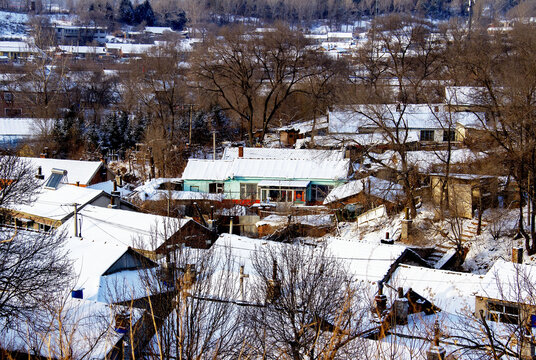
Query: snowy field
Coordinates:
[12,23]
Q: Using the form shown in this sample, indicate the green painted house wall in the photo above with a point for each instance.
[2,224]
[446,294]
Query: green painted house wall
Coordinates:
[231,187]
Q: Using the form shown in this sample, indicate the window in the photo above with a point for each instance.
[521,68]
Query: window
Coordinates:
[8,97]
[449,135]
[248,191]
[14,112]
[55,178]
[194,188]
[505,313]
[44,228]
[215,188]
[319,192]
[427,135]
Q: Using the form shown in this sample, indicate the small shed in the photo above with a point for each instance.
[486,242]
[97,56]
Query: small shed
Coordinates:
[368,192]
[466,192]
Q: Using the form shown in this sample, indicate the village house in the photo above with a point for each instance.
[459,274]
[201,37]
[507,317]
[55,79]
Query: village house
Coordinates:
[14,131]
[418,124]
[57,199]
[502,297]
[16,50]
[69,34]
[111,246]
[52,206]
[292,177]
[76,172]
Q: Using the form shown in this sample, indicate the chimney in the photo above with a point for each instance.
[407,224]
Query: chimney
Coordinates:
[122,323]
[517,255]
[406,225]
[119,180]
[436,351]
[273,287]
[387,239]
[39,174]
[401,308]
[115,199]
[240,151]
[380,300]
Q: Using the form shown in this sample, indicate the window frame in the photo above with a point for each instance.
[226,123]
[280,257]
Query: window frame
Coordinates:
[449,133]
[247,192]
[427,135]
[503,313]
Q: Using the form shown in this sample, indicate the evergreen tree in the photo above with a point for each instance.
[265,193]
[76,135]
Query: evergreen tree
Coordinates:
[144,12]
[109,14]
[126,12]
[175,20]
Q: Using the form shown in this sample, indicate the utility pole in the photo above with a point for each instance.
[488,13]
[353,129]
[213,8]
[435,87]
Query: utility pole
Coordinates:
[75,219]
[242,277]
[214,145]
[470,17]
[190,134]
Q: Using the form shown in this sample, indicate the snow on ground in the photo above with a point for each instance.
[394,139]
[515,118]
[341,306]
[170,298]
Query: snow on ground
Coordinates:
[495,242]
[12,23]
[312,220]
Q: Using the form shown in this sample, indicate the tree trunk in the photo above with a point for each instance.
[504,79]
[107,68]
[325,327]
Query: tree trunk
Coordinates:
[313,129]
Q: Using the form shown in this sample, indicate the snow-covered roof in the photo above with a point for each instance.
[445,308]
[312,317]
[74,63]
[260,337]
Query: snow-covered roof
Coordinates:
[130,48]
[231,153]
[77,170]
[465,95]
[340,35]
[106,234]
[453,292]
[413,116]
[21,128]
[151,191]
[380,188]
[77,49]
[198,169]
[365,140]
[127,285]
[157,29]
[464,176]
[108,187]
[304,127]
[423,160]
[16,46]
[312,220]
[369,262]
[510,282]
[57,204]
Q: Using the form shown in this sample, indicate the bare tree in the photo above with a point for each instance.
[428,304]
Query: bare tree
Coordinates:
[311,305]
[393,70]
[34,266]
[43,83]
[508,100]
[196,315]
[253,75]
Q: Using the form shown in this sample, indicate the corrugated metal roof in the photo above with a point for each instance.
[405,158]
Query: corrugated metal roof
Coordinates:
[266,168]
